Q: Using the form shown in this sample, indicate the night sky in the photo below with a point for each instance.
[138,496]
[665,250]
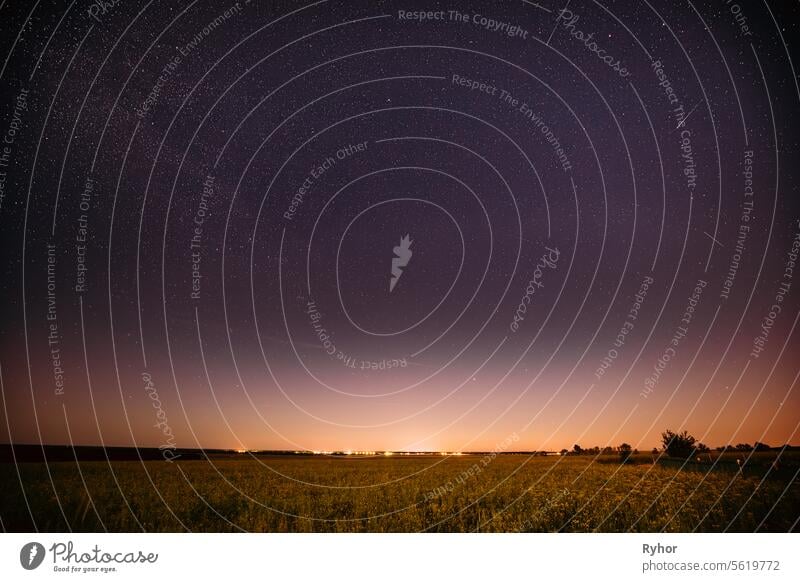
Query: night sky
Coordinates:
[201,203]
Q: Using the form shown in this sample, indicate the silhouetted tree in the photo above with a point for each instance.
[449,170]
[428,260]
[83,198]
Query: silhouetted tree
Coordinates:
[577,449]
[624,452]
[761,446]
[679,445]
[744,447]
[701,448]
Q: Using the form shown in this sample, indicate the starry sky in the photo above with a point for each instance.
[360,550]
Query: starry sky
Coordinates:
[202,209]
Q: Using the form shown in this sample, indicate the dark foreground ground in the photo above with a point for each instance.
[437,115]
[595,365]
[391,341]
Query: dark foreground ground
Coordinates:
[401,494]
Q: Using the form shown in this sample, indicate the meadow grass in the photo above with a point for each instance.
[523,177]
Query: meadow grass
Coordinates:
[394,494]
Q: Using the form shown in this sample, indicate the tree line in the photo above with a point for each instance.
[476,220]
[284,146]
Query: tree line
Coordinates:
[680,445]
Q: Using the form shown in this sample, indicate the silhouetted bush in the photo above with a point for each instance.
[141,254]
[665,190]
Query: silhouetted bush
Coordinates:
[678,445]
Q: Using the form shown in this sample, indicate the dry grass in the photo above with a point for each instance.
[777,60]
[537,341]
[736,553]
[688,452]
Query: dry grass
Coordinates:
[287,494]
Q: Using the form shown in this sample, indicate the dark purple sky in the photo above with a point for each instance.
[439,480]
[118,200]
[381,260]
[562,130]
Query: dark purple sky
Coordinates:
[602,204]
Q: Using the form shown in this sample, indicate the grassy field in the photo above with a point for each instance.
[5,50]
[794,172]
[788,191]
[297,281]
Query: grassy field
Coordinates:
[396,494]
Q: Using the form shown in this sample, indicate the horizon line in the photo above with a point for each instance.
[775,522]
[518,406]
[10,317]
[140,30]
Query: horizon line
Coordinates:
[377,452]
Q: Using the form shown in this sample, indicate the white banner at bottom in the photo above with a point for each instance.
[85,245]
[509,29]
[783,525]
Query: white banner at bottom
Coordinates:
[417,557]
